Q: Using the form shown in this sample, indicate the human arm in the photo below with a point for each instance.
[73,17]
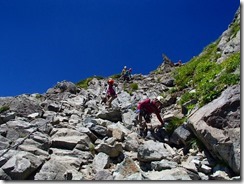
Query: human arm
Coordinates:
[160,118]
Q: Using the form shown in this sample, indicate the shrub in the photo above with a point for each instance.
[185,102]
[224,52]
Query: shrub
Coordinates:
[235,28]
[187,97]
[134,86]
[206,76]
[195,144]
[4,108]
[84,83]
[173,124]
[115,76]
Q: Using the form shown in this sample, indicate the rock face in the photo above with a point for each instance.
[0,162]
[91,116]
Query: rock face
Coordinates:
[229,46]
[67,134]
[217,125]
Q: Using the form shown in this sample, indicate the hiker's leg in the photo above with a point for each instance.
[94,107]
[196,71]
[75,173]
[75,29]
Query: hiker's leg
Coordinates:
[104,100]
[149,126]
[109,101]
[111,98]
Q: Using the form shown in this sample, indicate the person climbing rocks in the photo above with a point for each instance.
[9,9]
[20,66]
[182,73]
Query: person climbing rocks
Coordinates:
[129,73]
[145,109]
[123,72]
[126,74]
[179,63]
[110,93]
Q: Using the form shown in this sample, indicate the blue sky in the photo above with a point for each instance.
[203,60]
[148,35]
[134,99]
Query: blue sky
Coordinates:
[46,41]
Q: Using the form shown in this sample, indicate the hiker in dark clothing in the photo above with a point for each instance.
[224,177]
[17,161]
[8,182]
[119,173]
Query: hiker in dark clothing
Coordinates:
[123,72]
[126,74]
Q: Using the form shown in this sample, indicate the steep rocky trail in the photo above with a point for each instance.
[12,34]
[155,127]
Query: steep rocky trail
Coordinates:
[67,134]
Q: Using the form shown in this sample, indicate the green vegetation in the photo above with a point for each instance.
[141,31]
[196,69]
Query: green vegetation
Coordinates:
[84,83]
[131,87]
[195,144]
[187,97]
[173,124]
[235,27]
[92,148]
[206,76]
[115,76]
[38,96]
[4,108]
[134,86]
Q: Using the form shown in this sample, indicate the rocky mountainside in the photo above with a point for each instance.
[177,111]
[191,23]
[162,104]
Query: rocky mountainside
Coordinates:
[67,134]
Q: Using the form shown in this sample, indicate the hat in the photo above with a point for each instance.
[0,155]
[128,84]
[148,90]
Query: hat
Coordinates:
[110,81]
[160,99]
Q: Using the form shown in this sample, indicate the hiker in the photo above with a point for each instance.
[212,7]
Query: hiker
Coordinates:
[129,73]
[110,93]
[145,109]
[123,71]
[179,63]
[126,74]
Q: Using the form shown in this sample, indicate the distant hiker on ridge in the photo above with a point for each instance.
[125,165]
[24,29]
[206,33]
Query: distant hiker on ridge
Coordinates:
[126,74]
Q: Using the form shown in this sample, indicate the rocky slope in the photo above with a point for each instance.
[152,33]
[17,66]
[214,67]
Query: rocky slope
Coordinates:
[67,134]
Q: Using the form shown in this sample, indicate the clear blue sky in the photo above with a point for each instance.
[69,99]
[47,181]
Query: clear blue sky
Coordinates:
[46,41]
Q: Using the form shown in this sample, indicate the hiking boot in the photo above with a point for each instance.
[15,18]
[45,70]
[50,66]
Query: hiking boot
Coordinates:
[142,133]
[166,138]
[158,137]
[149,136]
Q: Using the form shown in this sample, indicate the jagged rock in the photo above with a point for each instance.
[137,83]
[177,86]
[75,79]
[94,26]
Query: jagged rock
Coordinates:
[88,132]
[5,155]
[219,175]
[43,125]
[62,87]
[169,82]
[21,165]
[152,151]
[169,174]
[118,125]
[205,169]
[112,151]
[33,150]
[33,115]
[4,143]
[128,170]
[223,143]
[189,164]
[203,176]
[22,105]
[132,142]
[103,175]
[100,161]
[56,170]
[181,135]
[163,165]
[229,46]
[114,115]
[99,130]
[53,107]
[128,118]
[7,117]
[3,175]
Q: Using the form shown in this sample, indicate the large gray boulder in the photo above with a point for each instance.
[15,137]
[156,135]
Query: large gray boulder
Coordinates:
[217,125]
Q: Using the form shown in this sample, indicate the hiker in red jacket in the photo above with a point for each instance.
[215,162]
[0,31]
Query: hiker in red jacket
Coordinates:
[145,110]
[110,92]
